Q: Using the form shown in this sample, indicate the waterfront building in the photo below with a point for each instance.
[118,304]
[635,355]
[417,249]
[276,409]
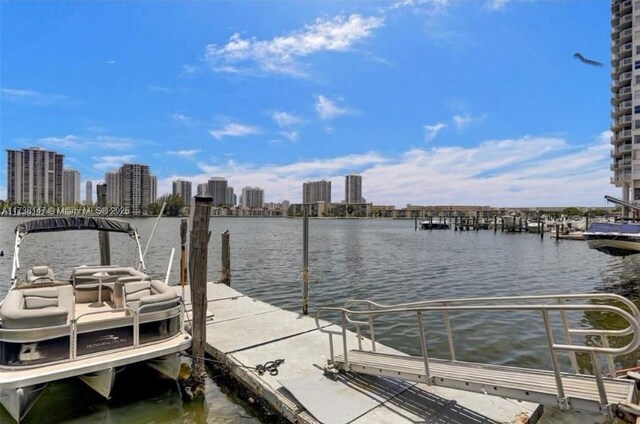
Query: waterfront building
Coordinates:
[316,191]
[34,176]
[135,187]
[112,180]
[625,99]
[203,189]
[217,189]
[88,194]
[353,189]
[252,197]
[182,188]
[70,186]
[231,198]
[153,188]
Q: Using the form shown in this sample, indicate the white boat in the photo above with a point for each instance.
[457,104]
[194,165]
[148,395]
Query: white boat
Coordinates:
[617,239]
[86,323]
[534,227]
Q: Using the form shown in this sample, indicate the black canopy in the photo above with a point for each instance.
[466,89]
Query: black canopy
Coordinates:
[45,225]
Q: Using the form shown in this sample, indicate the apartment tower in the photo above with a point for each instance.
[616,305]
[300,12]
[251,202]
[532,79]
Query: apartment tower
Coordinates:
[625,99]
[135,187]
[34,176]
[112,180]
[182,188]
[316,191]
[252,197]
[70,186]
[353,189]
[217,188]
[88,193]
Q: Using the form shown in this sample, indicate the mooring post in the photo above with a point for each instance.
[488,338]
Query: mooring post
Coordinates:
[541,223]
[198,249]
[557,232]
[226,259]
[495,223]
[103,236]
[520,225]
[184,224]
[416,224]
[586,216]
[305,261]
[455,225]
[502,224]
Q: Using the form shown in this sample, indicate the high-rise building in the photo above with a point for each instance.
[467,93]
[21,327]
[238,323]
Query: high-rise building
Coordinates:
[203,189]
[217,188]
[88,194]
[316,191]
[252,197]
[34,176]
[112,180]
[135,188]
[182,188]
[625,98]
[353,189]
[70,187]
[153,188]
[231,198]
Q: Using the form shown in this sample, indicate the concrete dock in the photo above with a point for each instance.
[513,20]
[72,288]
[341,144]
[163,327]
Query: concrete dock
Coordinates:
[243,332]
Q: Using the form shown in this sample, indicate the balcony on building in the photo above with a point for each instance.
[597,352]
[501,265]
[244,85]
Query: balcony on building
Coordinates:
[625,21]
[622,109]
[625,7]
[621,95]
[621,137]
[615,18]
[625,35]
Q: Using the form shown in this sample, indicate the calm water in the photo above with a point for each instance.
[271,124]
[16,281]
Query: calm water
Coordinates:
[382,260]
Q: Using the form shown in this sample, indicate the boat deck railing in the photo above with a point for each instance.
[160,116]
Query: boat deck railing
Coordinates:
[132,318]
[361,314]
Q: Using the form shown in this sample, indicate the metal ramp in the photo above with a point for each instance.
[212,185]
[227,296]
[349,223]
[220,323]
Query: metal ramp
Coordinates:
[567,390]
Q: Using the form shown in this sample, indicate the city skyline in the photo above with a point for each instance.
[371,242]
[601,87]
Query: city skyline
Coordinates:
[475,107]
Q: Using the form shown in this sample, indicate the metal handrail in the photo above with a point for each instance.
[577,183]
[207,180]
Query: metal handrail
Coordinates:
[604,334]
[419,308]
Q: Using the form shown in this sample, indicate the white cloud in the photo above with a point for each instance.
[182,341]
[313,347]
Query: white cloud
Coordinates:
[281,54]
[32,97]
[289,135]
[183,153]
[495,5]
[109,163]
[76,143]
[462,121]
[185,120]
[67,142]
[526,171]
[285,119]
[161,89]
[110,62]
[233,130]
[189,69]
[327,109]
[431,131]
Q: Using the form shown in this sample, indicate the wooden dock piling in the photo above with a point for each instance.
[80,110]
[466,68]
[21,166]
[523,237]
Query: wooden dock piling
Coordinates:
[225,257]
[184,224]
[495,224]
[199,246]
[305,261]
[103,236]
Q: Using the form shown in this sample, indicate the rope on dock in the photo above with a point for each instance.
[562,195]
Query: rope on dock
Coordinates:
[270,366]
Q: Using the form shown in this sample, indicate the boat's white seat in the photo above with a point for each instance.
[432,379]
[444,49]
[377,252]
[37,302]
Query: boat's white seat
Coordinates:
[140,293]
[34,308]
[39,273]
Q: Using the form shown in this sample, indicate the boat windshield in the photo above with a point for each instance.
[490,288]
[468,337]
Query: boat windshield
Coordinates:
[62,251]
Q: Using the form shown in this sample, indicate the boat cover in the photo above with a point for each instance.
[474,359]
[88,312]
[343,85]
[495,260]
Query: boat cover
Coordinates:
[608,227]
[45,225]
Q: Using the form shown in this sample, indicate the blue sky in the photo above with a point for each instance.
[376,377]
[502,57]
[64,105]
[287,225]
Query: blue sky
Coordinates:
[432,102]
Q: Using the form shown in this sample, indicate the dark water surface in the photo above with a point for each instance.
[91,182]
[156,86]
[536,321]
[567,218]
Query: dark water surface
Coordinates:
[382,260]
